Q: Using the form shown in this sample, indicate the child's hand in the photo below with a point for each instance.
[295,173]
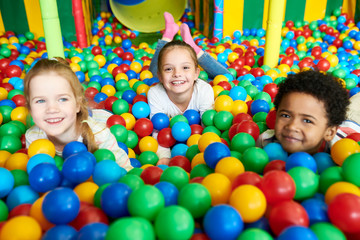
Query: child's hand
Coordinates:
[163,161]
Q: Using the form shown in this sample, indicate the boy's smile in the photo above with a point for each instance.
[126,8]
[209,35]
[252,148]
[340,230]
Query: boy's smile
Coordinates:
[301,123]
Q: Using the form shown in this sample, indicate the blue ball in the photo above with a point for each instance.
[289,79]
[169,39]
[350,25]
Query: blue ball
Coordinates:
[37,159]
[316,210]
[160,121]
[323,161]
[93,231]
[7,182]
[214,152]
[169,191]
[8,102]
[192,116]
[77,168]
[181,131]
[61,206]
[135,163]
[80,75]
[114,200]
[262,223]
[44,177]
[99,97]
[123,147]
[301,159]
[259,105]
[107,81]
[140,110]
[73,148]
[96,78]
[65,232]
[238,93]
[107,171]
[126,44]
[131,74]
[297,233]
[20,195]
[179,149]
[223,222]
[129,95]
[275,152]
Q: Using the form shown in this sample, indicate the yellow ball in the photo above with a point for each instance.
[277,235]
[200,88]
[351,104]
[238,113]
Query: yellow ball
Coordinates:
[333,60]
[193,139]
[219,78]
[272,73]
[232,57]
[230,167]
[111,67]
[132,82]
[136,67]
[108,40]
[17,161]
[302,47]
[249,201]
[41,146]
[284,68]
[143,88]
[4,155]
[224,103]
[143,45]
[198,159]
[129,120]
[21,227]
[220,49]
[1,118]
[75,67]
[206,139]
[254,42]
[75,59]
[357,45]
[117,39]
[239,107]
[217,90]
[146,166]
[121,76]
[108,90]
[19,114]
[3,93]
[148,143]
[131,153]
[219,187]
[86,191]
[339,188]
[100,59]
[342,149]
[145,74]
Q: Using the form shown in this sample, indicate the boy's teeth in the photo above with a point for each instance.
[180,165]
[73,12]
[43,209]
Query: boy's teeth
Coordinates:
[178,82]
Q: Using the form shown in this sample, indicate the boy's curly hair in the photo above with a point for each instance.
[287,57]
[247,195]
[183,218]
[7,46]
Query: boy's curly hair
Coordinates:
[324,87]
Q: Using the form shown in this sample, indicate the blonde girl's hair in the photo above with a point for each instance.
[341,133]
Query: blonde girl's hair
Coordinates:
[176,44]
[61,67]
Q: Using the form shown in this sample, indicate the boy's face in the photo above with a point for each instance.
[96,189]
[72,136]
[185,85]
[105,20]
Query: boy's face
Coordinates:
[301,123]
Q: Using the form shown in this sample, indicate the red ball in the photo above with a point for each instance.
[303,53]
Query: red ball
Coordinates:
[20,210]
[19,100]
[182,162]
[118,51]
[316,52]
[250,178]
[139,98]
[242,72]
[109,102]
[225,85]
[323,65]
[4,63]
[249,127]
[115,119]
[196,129]
[196,180]
[143,127]
[271,119]
[13,71]
[272,89]
[257,72]
[233,130]
[14,54]
[199,236]
[128,56]
[275,165]
[286,214]
[151,175]
[344,212]
[89,214]
[278,186]
[241,117]
[288,61]
[90,92]
[165,138]
[250,61]
[96,50]
[354,136]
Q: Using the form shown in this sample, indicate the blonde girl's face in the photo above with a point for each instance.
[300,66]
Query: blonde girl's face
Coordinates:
[178,71]
[53,106]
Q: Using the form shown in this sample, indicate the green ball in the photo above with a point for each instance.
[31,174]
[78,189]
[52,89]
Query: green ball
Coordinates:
[251,90]
[174,222]
[93,72]
[224,92]
[236,154]
[10,143]
[82,65]
[132,180]
[260,117]
[95,85]
[212,129]
[192,151]
[20,177]
[306,182]
[203,75]
[120,106]
[233,72]
[330,176]
[195,198]
[244,83]
[132,139]
[14,92]
[223,120]
[175,175]
[104,154]
[6,113]
[148,157]
[59,161]
[339,73]
[325,231]
[146,201]
[201,170]
[242,141]
[350,169]
[89,57]
[262,126]
[208,117]
[107,75]
[4,211]
[178,118]
[136,171]
[111,56]
[98,193]
[255,159]
[120,132]
[350,83]
[254,234]
[9,129]
[264,96]
[129,228]
[5,52]
[22,39]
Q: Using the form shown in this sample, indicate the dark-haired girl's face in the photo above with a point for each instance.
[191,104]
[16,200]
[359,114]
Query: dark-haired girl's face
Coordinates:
[301,123]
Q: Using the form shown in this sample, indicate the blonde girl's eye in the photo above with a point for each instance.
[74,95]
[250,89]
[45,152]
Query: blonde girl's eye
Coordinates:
[63,99]
[40,101]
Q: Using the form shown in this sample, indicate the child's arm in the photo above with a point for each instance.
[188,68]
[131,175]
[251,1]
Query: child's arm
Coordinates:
[205,97]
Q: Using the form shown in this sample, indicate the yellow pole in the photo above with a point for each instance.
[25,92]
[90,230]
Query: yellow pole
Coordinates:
[273,32]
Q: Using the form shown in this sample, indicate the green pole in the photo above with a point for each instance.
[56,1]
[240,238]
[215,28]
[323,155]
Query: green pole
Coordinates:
[52,30]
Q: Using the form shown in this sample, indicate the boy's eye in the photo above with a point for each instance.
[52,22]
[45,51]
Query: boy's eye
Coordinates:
[167,69]
[284,115]
[307,121]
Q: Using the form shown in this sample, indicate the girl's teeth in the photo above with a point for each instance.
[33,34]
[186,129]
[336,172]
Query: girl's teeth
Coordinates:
[54,120]
[178,82]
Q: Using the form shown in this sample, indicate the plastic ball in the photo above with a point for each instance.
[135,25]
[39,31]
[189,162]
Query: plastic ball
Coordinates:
[148,143]
[325,230]
[349,167]
[10,143]
[160,121]
[219,187]
[241,142]
[21,227]
[230,167]
[223,103]
[93,231]
[301,159]
[7,180]
[192,116]
[297,233]
[131,228]
[61,206]
[223,222]
[214,152]
[114,200]
[60,232]
[151,175]
[275,152]
[37,159]
[195,198]
[316,210]
[107,171]
[255,159]
[175,175]
[206,139]
[44,177]
[339,188]
[20,195]
[165,138]
[342,149]
[77,168]
[73,148]
[181,131]
[140,110]
[169,191]
[306,181]
[143,127]
[255,234]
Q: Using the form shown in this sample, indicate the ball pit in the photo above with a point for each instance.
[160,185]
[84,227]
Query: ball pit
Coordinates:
[217,184]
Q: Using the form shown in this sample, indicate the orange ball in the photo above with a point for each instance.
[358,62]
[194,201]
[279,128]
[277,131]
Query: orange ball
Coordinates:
[17,161]
[4,155]
[37,214]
